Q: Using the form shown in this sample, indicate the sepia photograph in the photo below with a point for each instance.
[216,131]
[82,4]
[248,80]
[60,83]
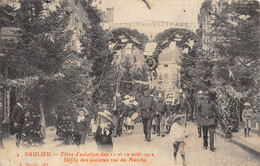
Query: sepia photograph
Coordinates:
[129,83]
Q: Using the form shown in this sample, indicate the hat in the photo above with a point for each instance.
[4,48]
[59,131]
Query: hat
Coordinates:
[86,112]
[247,104]
[180,91]
[200,92]
[106,114]
[127,96]
[178,117]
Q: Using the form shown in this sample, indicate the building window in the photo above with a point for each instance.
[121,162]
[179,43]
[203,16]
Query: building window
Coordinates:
[165,65]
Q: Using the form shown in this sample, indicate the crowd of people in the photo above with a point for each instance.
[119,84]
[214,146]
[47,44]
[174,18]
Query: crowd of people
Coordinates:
[158,114]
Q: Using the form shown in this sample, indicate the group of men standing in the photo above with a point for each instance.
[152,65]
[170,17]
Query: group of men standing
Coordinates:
[206,111]
[150,108]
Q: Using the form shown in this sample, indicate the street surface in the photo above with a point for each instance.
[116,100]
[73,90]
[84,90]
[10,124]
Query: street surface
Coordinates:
[227,154]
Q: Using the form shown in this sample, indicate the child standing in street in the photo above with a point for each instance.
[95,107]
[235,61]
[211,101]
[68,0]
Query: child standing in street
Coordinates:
[81,124]
[247,117]
[178,134]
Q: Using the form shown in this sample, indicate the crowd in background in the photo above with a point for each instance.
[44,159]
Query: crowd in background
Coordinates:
[157,113]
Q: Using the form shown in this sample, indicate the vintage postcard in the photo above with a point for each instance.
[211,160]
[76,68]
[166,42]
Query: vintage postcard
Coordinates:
[129,82]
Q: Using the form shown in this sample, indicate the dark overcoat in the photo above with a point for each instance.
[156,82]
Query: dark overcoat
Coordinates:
[208,112]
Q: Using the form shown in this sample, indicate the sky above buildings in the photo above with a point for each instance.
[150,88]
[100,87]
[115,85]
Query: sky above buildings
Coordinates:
[161,10]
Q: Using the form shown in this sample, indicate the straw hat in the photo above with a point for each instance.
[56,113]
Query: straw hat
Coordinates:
[86,112]
[247,104]
[106,114]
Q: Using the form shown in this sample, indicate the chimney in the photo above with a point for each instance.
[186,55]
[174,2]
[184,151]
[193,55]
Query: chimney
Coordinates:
[110,15]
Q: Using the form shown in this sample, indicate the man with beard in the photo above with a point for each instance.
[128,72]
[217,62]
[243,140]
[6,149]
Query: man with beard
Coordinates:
[207,112]
[145,110]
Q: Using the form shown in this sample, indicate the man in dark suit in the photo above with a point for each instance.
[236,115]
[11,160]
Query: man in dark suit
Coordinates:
[182,106]
[207,112]
[145,110]
[160,110]
[17,118]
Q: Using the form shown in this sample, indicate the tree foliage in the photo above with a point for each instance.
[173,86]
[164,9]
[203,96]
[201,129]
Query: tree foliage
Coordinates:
[234,44]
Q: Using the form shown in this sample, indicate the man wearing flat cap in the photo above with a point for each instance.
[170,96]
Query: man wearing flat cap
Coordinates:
[145,110]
